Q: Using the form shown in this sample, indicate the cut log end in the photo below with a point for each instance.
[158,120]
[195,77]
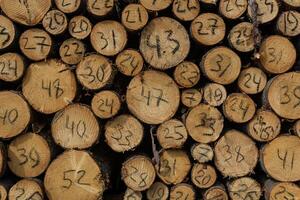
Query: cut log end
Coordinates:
[280,190]
[12,67]
[67,6]
[232,9]
[26,189]
[244,187]
[8,32]
[214,94]
[158,190]
[186,10]
[80,27]
[266,11]
[154,5]
[216,192]
[55,22]
[182,191]
[203,175]
[187,74]
[288,23]
[100,8]
[191,97]
[134,17]
[130,62]
[252,80]
[202,153]
[241,37]
[132,195]
[72,51]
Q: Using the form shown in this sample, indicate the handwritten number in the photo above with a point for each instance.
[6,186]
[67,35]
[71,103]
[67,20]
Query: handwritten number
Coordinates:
[80,174]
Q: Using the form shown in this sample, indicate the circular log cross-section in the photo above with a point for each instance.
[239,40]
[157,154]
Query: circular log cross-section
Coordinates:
[235,154]
[154,5]
[80,27]
[106,104]
[28,155]
[182,191]
[55,22]
[191,97]
[244,188]
[49,86]
[94,72]
[173,167]
[208,29]
[203,175]
[202,153]
[186,10]
[74,175]
[266,11]
[204,123]
[153,97]
[123,133]
[279,158]
[164,43]
[187,74]
[134,17]
[100,8]
[3,192]
[221,65]
[252,80]
[239,108]
[29,12]
[283,95]
[130,62]
[138,173]
[281,190]
[108,37]
[293,3]
[12,67]
[8,32]
[277,54]
[158,190]
[75,127]
[233,9]
[214,94]
[68,6]
[215,192]
[26,189]
[72,51]
[171,134]
[14,114]
[289,23]
[265,126]
[35,44]
[241,37]
[132,195]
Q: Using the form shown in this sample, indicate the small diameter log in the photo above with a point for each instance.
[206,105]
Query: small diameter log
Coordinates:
[28,155]
[265,126]
[14,114]
[123,133]
[283,95]
[26,189]
[68,6]
[235,154]
[241,37]
[94,72]
[171,134]
[75,175]
[214,94]
[138,173]
[186,10]
[244,188]
[153,97]
[75,127]
[239,108]
[202,153]
[221,65]
[3,192]
[80,27]
[182,191]
[55,22]
[35,44]
[277,54]
[216,193]
[100,8]
[49,86]
[173,167]
[288,23]
[186,74]
[296,128]
[158,190]
[208,29]
[72,51]
[203,175]
[266,11]
[132,195]
[12,67]
[106,104]
[164,42]
[279,158]
[293,3]
[129,62]
[281,190]
[8,32]
[204,123]
[252,80]
[134,17]
[108,37]
[154,5]
[232,9]
[29,12]
[191,97]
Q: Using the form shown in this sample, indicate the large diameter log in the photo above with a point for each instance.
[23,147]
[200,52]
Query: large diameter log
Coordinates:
[15,114]
[164,43]
[233,9]
[244,188]
[281,190]
[129,62]
[214,94]
[280,158]
[158,190]
[241,38]
[203,175]
[67,6]
[154,5]
[80,27]
[182,191]
[55,22]
[29,12]
[153,97]
[26,189]
[288,23]
[266,10]
[49,86]
[8,32]
[186,10]
[187,74]
[235,154]
[100,8]
[75,175]
[134,17]
[12,67]
[252,80]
